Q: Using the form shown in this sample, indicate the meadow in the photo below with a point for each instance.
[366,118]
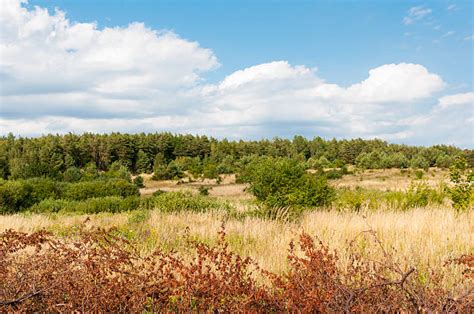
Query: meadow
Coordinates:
[262,233]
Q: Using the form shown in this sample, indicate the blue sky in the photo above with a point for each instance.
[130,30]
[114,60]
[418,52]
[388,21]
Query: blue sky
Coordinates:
[341,38]
[318,54]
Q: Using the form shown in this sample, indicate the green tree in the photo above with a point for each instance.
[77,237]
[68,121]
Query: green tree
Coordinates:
[143,164]
[284,182]
[160,168]
[462,177]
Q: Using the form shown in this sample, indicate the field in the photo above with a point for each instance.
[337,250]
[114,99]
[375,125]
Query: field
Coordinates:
[425,238]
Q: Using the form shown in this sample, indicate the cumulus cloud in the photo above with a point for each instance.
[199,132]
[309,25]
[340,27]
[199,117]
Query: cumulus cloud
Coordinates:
[47,60]
[449,122]
[416,14]
[59,76]
[450,101]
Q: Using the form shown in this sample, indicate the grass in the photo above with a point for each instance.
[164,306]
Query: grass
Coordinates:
[419,227]
[421,237]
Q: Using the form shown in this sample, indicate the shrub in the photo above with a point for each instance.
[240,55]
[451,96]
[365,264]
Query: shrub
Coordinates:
[209,169]
[285,182]
[72,174]
[204,190]
[119,171]
[333,174]
[19,195]
[462,177]
[111,204]
[100,188]
[173,171]
[418,174]
[419,162]
[417,195]
[53,206]
[186,201]
[98,271]
[226,166]
[138,181]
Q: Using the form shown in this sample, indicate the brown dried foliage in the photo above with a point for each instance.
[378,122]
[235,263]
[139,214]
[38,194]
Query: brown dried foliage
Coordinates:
[99,271]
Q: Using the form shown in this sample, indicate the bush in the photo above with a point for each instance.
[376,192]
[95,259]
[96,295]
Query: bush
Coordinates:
[285,182]
[186,201]
[100,188]
[138,181]
[101,272]
[72,174]
[417,195]
[110,204]
[119,171]
[419,162]
[462,177]
[204,190]
[418,174]
[19,195]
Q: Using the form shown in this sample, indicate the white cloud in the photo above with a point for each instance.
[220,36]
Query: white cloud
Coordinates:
[452,7]
[448,34]
[416,14]
[47,56]
[404,82]
[449,122]
[450,101]
[471,37]
[59,76]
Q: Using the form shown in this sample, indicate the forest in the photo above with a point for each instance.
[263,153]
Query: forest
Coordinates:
[54,155]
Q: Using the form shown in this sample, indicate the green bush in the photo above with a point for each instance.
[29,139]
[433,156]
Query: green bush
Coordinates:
[418,174]
[417,195]
[204,190]
[279,182]
[186,201]
[111,204]
[462,177]
[72,174]
[18,195]
[119,171]
[99,188]
[138,181]
[419,162]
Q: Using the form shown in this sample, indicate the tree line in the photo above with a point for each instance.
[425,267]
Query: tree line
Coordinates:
[53,155]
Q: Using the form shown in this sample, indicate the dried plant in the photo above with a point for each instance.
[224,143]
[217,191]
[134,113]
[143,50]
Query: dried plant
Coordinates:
[100,271]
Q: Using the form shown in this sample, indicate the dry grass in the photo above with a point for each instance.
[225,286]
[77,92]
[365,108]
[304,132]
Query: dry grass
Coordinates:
[379,179]
[425,237]
[227,189]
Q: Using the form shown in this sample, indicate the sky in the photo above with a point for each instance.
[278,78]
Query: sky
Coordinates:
[401,71]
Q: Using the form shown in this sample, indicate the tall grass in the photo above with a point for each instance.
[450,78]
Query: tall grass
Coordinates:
[423,237]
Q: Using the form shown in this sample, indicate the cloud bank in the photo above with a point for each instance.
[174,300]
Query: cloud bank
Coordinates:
[59,76]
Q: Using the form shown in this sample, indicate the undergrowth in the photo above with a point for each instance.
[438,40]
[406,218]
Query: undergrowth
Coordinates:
[99,271]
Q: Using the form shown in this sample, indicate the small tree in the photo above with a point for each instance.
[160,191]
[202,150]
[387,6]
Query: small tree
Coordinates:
[462,176]
[160,168]
[143,164]
[284,182]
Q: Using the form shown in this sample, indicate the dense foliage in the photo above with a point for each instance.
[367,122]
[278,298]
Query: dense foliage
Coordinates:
[60,156]
[279,182]
[462,191]
[102,272]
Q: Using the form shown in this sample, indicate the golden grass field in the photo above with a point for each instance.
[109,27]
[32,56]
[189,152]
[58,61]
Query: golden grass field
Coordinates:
[421,237]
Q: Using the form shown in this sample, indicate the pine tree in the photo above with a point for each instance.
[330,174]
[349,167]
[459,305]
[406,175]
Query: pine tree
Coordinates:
[143,164]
